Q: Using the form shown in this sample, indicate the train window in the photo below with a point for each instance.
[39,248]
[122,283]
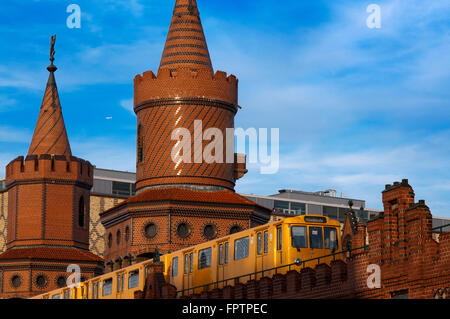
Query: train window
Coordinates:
[107,287]
[299,237]
[225,258]
[266,241]
[279,239]
[241,248]
[220,254]
[204,258]
[123,282]
[133,279]
[175,267]
[67,294]
[315,237]
[191,262]
[259,243]
[57,296]
[119,277]
[330,235]
[186,263]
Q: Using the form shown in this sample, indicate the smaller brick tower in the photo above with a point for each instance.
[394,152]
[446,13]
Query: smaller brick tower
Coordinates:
[48,215]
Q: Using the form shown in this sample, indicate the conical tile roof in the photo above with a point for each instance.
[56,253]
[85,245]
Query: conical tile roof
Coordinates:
[50,136]
[186,44]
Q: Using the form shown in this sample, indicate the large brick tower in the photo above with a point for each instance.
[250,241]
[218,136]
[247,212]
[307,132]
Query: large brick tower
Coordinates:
[181,203]
[185,92]
[48,211]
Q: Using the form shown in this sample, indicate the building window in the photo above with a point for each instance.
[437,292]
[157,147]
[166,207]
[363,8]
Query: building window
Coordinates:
[110,240]
[41,281]
[16,281]
[183,230]
[331,212]
[81,212]
[235,229]
[210,231]
[118,237]
[150,230]
[140,145]
[204,258]
[127,233]
[61,281]
[123,189]
[297,208]
[241,248]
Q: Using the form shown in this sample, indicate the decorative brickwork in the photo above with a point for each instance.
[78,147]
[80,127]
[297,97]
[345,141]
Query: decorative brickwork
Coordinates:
[3,220]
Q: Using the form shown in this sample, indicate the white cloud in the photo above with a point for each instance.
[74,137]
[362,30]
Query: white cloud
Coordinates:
[128,105]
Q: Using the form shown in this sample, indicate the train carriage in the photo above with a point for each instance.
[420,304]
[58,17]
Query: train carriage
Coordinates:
[250,254]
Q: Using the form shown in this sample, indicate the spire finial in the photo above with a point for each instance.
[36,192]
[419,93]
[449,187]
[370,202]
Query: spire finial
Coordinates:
[51,67]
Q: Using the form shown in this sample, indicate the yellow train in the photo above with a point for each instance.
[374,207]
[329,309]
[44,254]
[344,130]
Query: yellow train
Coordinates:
[249,254]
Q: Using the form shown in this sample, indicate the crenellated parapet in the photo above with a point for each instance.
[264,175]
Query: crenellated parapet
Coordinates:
[52,168]
[193,86]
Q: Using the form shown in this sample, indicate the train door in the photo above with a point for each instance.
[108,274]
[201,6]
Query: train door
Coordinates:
[262,254]
[223,272]
[120,285]
[280,258]
[188,271]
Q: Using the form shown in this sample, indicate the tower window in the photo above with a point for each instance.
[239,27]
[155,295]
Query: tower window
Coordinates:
[81,212]
[140,145]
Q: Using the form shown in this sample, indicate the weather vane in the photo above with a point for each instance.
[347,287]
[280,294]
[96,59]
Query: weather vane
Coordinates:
[52,48]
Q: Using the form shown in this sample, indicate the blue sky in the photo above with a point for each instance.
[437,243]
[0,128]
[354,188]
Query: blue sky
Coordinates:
[357,108]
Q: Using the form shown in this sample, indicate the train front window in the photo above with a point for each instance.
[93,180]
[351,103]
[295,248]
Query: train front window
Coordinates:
[299,237]
[133,279]
[315,237]
[330,235]
[204,258]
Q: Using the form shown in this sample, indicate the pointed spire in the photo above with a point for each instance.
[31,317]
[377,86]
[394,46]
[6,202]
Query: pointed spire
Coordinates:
[50,136]
[186,44]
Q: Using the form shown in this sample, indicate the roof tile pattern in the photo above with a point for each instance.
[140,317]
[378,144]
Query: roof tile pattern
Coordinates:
[48,253]
[50,136]
[185,44]
[186,195]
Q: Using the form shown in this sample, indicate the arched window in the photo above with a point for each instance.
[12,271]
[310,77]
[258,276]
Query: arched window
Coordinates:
[140,145]
[81,212]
